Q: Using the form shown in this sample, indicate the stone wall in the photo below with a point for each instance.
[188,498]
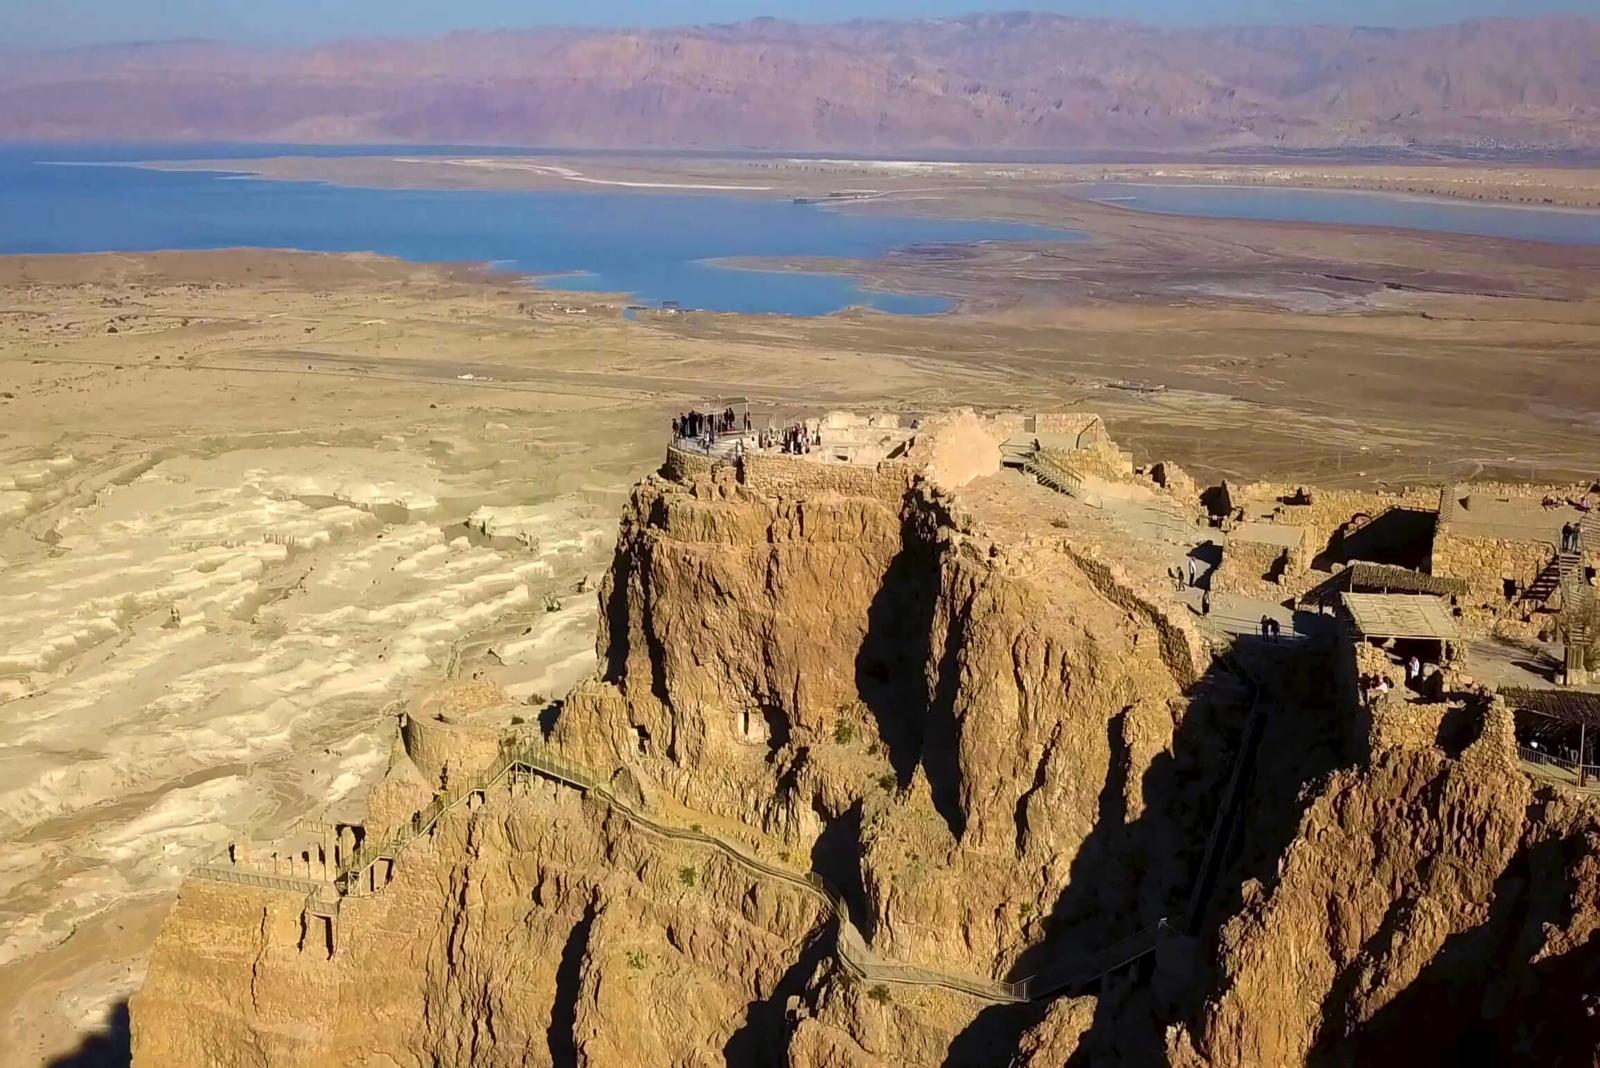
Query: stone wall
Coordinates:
[1485,564]
[438,748]
[1246,567]
[1182,651]
[778,474]
[1329,509]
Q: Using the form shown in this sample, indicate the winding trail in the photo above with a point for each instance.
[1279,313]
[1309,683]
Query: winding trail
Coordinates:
[517,760]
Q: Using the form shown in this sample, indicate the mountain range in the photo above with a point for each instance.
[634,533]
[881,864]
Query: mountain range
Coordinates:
[985,82]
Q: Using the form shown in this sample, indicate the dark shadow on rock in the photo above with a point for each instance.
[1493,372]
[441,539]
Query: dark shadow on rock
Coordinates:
[626,573]
[614,606]
[560,1036]
[892,660]
[548,716]
[763,1037]
[778,732]
[1482,999]
[109,1047]
[991,1039]
[1400,536]
[1129,873]
[836,857]
[1459,727]
[941,748]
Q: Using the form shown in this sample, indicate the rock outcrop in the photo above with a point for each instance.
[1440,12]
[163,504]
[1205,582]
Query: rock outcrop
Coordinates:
[1007,757]
[1432,909]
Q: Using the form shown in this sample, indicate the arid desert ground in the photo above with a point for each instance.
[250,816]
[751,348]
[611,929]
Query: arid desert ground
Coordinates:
[251,501]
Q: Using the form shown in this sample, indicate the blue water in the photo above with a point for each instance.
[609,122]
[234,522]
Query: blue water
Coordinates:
[1353,209]
[654,247]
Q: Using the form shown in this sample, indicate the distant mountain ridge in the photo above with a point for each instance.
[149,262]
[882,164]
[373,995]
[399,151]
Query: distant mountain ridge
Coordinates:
[1005,81]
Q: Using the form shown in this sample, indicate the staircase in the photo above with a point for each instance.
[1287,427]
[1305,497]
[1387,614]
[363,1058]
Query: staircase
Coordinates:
[1055,475]
[1542,588]
[1577,596]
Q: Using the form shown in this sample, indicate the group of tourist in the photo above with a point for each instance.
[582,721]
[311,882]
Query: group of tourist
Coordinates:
[706,427]
[796,439]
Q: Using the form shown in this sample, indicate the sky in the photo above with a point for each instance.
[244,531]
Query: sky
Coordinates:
[56,23]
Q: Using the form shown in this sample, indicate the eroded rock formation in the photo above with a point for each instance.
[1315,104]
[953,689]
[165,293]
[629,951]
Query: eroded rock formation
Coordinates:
[1005,755]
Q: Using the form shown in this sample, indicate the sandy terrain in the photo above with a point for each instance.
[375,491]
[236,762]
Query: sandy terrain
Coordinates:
[250,501]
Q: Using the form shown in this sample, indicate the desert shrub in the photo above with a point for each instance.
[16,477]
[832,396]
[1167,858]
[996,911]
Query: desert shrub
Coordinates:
[687,875]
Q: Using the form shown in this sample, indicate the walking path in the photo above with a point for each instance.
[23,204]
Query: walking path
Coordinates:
[357,878]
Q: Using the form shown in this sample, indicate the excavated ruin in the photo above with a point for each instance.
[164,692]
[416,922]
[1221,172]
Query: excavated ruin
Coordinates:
[867,778]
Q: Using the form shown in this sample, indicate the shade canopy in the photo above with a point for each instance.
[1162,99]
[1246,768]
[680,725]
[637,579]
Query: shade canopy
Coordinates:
[1400,615]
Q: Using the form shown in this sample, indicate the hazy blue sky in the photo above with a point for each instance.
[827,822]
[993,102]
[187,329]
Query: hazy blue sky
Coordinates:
[66,22]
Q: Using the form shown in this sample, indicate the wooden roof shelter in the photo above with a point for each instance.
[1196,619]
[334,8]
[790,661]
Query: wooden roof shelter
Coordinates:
[1400,615]
[1575,707]
[1362,577]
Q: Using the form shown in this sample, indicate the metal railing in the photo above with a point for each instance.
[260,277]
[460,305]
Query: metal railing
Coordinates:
[246,877]
[1539,756]
[1582,776]
[1057,476]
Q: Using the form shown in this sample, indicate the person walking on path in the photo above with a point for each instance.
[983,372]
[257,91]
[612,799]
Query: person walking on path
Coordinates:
[1194,572]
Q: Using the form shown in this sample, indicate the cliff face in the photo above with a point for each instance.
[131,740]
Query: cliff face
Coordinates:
[536,930]
[902,700]
[1005,753]
[1432,909]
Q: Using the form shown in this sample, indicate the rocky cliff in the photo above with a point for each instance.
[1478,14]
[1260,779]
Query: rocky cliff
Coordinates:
[1006,756]
[1432,909]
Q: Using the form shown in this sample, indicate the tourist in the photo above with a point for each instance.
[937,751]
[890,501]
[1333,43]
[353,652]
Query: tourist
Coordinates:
[1566,537]
[1194,572]
[1205,603]
[1413,672]
[1266,627]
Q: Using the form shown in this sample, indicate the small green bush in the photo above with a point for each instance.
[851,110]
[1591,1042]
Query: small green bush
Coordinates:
[880,994]
[888,781]
[687,875]
[636,959]
[844,732]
